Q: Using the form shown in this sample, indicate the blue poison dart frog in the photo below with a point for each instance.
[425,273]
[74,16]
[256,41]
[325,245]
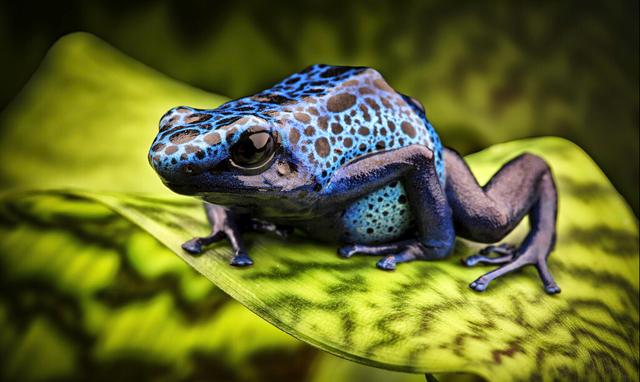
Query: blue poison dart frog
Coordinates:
[336,152]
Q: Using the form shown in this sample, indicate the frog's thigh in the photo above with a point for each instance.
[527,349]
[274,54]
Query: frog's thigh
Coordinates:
[382,216]
[487,214]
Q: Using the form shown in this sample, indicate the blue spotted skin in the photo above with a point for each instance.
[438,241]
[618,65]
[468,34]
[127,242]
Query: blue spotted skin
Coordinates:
[323,118]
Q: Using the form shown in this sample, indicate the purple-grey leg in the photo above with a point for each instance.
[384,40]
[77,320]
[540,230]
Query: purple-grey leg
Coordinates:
[523,186]
[224,223]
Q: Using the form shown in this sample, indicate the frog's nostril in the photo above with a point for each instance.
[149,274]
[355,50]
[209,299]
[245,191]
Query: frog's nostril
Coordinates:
[154,159]
[191,169]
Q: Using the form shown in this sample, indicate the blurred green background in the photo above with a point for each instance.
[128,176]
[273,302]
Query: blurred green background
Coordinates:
[486,71]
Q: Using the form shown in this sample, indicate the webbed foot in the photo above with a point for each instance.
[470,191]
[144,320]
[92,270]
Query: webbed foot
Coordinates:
[387,263]
[193,246]
[196,245]
[511,260]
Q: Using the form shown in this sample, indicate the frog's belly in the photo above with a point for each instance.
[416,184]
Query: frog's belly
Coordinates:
[379,217]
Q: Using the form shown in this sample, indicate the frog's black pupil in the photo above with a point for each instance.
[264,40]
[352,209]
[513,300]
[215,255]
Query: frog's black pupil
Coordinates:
[252,150]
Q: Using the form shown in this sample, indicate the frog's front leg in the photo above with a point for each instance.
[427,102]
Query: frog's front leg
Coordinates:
[414,167]
[224,223]
[398,252]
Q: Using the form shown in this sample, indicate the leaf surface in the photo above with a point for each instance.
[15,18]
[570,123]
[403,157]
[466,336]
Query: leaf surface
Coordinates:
[87,118]
[86,294]
[423,317]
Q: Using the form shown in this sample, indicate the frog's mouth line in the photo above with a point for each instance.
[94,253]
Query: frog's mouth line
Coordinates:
[182,189]
[247,196]
[221,191]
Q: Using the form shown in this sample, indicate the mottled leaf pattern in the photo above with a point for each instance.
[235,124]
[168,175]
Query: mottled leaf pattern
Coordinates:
[87,295]
[423,317]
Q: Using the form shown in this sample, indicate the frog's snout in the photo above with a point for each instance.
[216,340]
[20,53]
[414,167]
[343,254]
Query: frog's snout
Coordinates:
[181,166]
[187,145]
[182,156]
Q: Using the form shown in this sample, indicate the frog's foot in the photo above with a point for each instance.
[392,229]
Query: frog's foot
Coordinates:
[395,253]
[241,259]
[371,250]
[506,253]
[515,262]
[388,263]
[194,246]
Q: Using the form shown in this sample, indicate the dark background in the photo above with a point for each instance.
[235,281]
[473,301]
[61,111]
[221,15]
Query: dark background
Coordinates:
[486,72]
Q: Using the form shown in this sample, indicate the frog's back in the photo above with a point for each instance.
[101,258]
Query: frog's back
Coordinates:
[327,116]
[332,115]
[337,114]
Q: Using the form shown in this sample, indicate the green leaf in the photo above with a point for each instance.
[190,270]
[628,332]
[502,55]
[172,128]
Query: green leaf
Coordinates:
[87,294]
[423,317]
[80,124]
[89,114]
[91,292]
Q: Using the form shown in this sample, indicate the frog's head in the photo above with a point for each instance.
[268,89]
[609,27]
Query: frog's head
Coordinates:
[236,159]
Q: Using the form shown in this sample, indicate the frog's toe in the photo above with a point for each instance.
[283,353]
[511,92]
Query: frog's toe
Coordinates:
[347,251]
[483,259]
[471,260]
[506,254]
[193,246]
[241,260]
[552,289]
[480,285]
[500,249]
[388,263]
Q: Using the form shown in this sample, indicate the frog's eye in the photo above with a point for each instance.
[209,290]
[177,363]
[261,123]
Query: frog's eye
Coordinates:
[253,150]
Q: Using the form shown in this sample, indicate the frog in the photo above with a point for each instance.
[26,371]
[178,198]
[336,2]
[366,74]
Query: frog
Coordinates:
[338,154]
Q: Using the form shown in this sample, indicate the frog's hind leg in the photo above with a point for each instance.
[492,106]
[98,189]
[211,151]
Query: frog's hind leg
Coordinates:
[523,186]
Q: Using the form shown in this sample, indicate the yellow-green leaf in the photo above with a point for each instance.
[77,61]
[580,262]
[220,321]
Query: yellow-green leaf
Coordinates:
[86,120]
[88,115]
[88,295]
[423,317]
[90,292]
